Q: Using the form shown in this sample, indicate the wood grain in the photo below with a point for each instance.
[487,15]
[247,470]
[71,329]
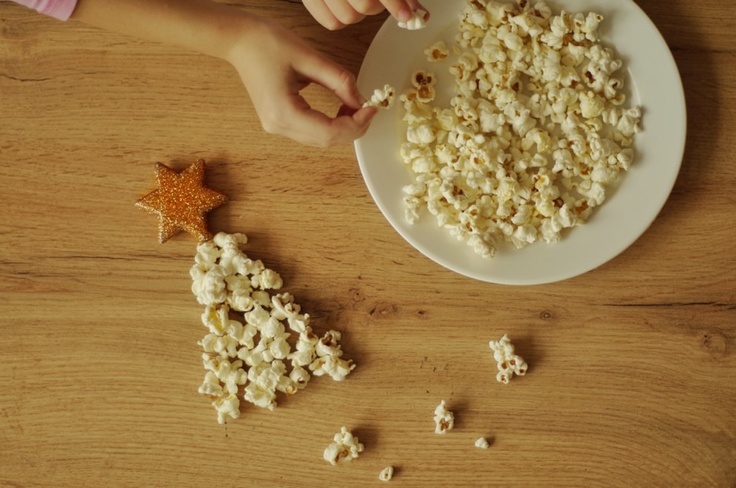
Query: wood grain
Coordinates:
[632,378]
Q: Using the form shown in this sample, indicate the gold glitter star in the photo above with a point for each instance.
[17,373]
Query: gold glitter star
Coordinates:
[181,202]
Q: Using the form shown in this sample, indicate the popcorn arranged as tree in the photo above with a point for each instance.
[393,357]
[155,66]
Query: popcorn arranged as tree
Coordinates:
[258,341]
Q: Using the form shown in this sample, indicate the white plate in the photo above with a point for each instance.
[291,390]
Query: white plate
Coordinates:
[654,83]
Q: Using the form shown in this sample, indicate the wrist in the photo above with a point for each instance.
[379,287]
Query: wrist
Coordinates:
[243,38]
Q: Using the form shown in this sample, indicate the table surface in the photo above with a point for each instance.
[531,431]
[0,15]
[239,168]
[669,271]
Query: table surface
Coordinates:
[632,375]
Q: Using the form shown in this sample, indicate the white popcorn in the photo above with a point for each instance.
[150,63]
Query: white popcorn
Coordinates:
[257,317]
[229,373]
[260,396]
[248,344]
[534,134]
[444,420]
[211,386]
[227,407]
[507,362]
[386,473]
[332,366]
[416,21]
[591,105]
[279,347]
[482,443]
[437,52]
[223,345]
[382,97]
[210,287]
[422,134]
[216,319]
[344,447]
[269,280]
[284,306]
[329,345]
[299,376]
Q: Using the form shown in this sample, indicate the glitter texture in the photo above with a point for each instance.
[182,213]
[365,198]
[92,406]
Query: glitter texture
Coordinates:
[181,201]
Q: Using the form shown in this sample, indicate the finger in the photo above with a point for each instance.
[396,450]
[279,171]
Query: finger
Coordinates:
[367,7]
[314,128]
[347,128]
[363,117]
[344,12]
[322,13]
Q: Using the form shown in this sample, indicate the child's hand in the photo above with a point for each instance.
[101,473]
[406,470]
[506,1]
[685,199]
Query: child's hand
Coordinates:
[273,62]
[275,65]
[336,14]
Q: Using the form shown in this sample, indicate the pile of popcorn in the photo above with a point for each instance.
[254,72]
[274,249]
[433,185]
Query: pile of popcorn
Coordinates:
[535,132]
[258,341]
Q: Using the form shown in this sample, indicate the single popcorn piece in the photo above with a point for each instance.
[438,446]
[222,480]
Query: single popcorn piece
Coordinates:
[227,407]
[249,351]
[507,362]
[382,97]
[418,20]
[444,420]
[386,473]
[344,447]
[482,443]
[535,132]
[437,52]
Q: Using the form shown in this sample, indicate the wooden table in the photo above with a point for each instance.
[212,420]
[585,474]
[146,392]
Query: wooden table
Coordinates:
[632,378]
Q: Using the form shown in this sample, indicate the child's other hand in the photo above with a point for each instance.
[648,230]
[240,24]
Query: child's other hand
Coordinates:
[336,14]
[275,65]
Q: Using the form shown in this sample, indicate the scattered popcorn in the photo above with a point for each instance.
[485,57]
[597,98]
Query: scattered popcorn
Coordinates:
[416,21]
[250,327]
[386,473]
[482,443]
[508,363]
[382,97]
[444,420]
[344,447]
[535,132]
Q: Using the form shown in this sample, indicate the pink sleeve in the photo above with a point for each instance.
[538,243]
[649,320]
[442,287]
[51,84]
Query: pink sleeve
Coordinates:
[60,9]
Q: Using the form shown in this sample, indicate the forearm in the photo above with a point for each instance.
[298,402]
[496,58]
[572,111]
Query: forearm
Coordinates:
[199,25]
